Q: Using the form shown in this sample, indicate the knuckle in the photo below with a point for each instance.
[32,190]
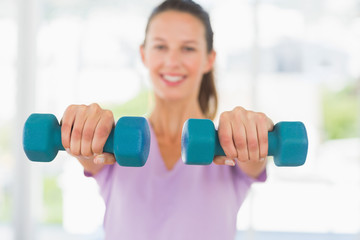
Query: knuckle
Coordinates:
[97,149]
[261,117]
[71,107]
[75,152]
[225,139]
[263,154]
[239,142]
[250,115]
[239,112]
[82,107]
[65,143]
[226,142]
[102,132]
[108,114]
[65,130]
[252,144]
[86,152]
[224,115]
[239,109]
[241,149]
[232,155]
[94,107]
[87,135]
[242,157]
[76,134]
[66,127]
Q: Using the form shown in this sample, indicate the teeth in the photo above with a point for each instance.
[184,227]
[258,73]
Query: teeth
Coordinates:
[173,78]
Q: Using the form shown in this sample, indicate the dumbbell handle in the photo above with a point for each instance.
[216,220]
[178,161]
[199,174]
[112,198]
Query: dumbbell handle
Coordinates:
[272,144]
[109,145]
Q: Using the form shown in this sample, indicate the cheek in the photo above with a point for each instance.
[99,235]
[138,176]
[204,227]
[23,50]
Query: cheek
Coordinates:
[195,66]
[153,62]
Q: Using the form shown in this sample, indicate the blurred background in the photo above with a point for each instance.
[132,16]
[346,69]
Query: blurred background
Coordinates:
[294,60]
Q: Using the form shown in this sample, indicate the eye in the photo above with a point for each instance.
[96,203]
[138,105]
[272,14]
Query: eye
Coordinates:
[188,49]
[160,47]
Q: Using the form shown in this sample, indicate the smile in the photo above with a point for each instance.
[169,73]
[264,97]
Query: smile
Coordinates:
[172,80]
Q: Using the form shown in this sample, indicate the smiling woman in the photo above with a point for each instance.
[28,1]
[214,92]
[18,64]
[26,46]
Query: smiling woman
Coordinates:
[166,199]
[175,53]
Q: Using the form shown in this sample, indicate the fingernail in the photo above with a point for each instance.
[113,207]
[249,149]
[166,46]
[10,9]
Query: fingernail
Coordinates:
[229,162]
[67,150]
[262,159]
[99,159]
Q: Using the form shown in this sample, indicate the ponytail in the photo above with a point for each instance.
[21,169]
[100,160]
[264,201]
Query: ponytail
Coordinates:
[208,98]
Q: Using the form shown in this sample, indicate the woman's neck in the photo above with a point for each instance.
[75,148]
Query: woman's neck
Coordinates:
[167,118]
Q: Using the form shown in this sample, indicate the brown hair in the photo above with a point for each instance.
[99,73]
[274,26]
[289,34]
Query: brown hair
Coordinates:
[208,98]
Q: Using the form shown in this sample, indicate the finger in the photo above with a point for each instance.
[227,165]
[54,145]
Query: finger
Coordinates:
[239,136]
[223,160]
[88,134]
[66,126]
[252,140]
[262,131]
[270,124]
[226,139]
[102,132]
[105,158]
[76,133]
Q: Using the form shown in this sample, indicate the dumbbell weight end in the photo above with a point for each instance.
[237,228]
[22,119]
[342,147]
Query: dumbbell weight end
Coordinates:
[288,144]
[35,136]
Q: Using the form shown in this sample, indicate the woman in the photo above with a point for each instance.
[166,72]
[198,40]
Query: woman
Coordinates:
[166,199]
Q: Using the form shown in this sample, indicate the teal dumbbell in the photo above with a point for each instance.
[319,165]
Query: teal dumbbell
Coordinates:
[129,141]
[288,143]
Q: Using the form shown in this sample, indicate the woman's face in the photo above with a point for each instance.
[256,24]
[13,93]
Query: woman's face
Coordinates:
[175,53]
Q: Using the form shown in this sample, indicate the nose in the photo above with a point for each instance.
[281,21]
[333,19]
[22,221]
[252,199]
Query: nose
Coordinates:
[172,59]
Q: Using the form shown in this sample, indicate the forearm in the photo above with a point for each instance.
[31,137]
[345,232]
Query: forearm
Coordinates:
[89,165]
[252,169]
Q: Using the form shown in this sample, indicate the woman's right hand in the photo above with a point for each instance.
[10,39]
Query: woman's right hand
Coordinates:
[84,131]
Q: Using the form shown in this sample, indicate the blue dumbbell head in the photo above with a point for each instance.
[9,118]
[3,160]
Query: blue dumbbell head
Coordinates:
[198,141]
[132,141]
[38,141]
[288,143]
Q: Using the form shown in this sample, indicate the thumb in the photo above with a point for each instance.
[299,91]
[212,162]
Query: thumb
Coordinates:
[105,158]
[223,160]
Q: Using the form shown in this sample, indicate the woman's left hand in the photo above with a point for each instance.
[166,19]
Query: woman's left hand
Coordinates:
[243,135]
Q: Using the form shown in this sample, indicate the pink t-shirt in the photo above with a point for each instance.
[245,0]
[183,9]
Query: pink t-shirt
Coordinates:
[188,202]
